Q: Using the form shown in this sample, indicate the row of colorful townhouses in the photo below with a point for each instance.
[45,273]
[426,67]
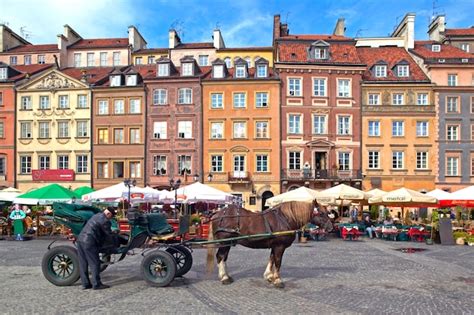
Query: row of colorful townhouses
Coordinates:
[312,110]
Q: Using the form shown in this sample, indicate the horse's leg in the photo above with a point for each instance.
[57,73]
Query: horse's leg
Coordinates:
[268,274]
[278,256]
[221,256]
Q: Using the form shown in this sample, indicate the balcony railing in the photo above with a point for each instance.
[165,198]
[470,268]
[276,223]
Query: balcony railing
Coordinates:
[239,177]
[312,174]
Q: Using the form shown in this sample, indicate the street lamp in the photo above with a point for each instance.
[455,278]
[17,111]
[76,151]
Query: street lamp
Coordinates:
[175,185]
[129,183]
[209,177]
[196,177]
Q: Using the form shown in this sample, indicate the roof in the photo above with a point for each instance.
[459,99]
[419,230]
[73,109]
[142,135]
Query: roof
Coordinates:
[391,56]
[450,53]
[251,75]
[100,43]
[151,51]
[459,31]
[297,52]
[266,48]
[25,70]
[94,75]
[32,49]
[316,37]
[194,45]
[149,72]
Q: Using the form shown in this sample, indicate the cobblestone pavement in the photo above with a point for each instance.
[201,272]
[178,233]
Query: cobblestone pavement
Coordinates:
[335,276]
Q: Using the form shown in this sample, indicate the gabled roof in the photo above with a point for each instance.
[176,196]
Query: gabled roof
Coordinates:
[450,53]
[391,56]
[218,61]
[92,75]
[100,43]
[459,31]
[32,49]
[266,48]
[194,45]
[297,52]
[151,51]
[24,71]
[316,37]
[187,59]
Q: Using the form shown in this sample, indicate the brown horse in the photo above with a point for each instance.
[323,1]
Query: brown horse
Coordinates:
[234,221]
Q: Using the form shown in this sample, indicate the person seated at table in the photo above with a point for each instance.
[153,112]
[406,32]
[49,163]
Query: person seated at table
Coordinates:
[369,227]
[388,221]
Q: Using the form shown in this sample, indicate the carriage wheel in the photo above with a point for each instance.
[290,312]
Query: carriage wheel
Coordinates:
[104,261]
[60,265]
[183,257]
[158,268]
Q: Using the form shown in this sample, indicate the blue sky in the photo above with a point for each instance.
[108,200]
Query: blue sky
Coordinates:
[242,22]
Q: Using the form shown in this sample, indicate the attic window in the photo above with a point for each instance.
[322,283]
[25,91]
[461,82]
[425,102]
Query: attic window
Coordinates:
[218,71]
[441,60]
[3,73]
[240,71]
[380,71]
[436,48]
[293,55]
[320,53]
[464,60]
[187,69]
[403,70]
[261,71]
[131,80]
[115,80]
[163,70]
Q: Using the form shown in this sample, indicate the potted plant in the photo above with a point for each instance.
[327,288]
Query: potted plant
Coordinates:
[470,240]
[460,237]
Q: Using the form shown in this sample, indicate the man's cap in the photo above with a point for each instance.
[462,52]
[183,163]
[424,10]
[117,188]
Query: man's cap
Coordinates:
[112,210]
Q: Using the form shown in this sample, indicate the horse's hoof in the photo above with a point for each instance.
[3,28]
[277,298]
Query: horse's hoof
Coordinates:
[279,285]
[227,280]
[269,279]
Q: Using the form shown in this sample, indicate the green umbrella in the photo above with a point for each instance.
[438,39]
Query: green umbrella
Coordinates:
[83,190]
[46,195]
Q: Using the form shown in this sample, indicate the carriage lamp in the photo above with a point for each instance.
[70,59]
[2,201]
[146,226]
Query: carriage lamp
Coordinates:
[209,177]
[196,177]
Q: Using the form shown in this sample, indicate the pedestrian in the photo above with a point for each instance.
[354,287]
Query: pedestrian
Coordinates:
[354,214]
[92,237]
[369,227]
[18,215]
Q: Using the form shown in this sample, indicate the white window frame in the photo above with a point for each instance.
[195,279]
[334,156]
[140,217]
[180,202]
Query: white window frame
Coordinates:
[294,124]
[373,98]
[422,160]
[160,165]
[77,60]
[319,124]
[344,125]
[398,99]
[422,128]
[240,71]
[131,80]
[203,60]
[44,102]
[294,160]
[217,130]
[135,106]
[63,101]
[374,128]
[90,59]
[398,128]
[160,97]
[63,162]
[25,164]
[319,87]
[218,71]
[135,136]
[452,104]
[119,107]
[452,166]
[261,99]
[160,130]
[116,58]
[262,130]
[422,99]
[82,101]
[452,79]
[217,100]
[452,132]
[63,129]
[380,71]
[44,162]
[185,129]
[26,103]
[239,130]
[41,59]
[103,59]
[44,130]
[3,73]
[103,107]
[82,128]
[163,69]
[239,100]
[187,69]
[398,160]
[185,96]
[344,161]
[261,163]
[262,71]
[403,71]
[343,89]
[82,162]
[217,163]
[25,130]
[373,160]
[295,86]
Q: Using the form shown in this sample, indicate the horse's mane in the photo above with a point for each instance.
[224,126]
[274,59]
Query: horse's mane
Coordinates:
[297,212]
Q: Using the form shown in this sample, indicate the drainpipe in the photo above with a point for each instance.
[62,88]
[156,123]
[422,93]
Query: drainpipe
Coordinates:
[145,147]
[91,137]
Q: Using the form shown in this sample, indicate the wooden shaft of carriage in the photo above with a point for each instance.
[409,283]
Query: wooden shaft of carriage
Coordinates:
[237,238]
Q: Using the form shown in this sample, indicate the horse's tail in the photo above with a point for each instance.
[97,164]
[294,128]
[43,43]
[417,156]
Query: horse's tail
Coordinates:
[211,251]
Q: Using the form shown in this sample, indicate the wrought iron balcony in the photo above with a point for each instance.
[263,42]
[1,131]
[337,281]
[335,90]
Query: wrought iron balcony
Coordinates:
[312,174]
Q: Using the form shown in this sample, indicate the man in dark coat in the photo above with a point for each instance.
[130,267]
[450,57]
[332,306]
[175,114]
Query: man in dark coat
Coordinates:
[92,237]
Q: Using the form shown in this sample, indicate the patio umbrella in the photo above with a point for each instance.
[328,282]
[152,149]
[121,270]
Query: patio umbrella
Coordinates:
[83,190]
[111,193]
[8,194]
[46,195]
[463,197]
[375,192]
[444,198]
[300,194]
[342,192]
[198,192]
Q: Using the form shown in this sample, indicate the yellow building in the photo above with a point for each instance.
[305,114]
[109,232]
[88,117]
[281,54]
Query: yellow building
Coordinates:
[53,128]
[149,55]
[249,54]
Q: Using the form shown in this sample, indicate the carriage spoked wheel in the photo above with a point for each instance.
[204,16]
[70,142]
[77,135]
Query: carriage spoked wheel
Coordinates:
[183,257]
[60,265]
[158,268]
[104,261]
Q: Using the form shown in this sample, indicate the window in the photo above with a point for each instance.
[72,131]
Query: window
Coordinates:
[2,129]
[465,47]
[320,53]
[41,59]
[472,131]
[452,79]
[294,124]
[374,99]
[294,87]
[380,71]
[319,87]
[344,161]
[43,127]
[452,166]
[82,128]
[115,80]
[397,159]
[403,70]
[131,80]
[63,162]
[185,129]
[82,101]
[240,129]
[262,163]
[184,164]
[397,99]
[159,165]
[436,48]
[187,68]
[422,160]
[103,59]
[82,164]
[3,73]
[343,88]
[103,108]
[63,101]
[261,71]
[344,125]
[422,99]
[135,136]
[44,102]
[26,103]
[13,60]
[239,100]
[294,160]
[203,60]
[25,130]
[239,166]
[160,129]
[422,129]
[27,59]
[374,128]
[119,107]
[135,106]
[63,129]
[216,100]
[77,60]
[44,162]
[118,136]
[185,96]
[374,159]
[261,99]
[472,103]
[116,58]
[218,71]
[217,163]
[3,164]
[228,62]
[25,164]
[240,71]
[261,128]
[151,59]
[163,70]
[135,170]
[319,124]
[102,170]
[103,135]
[452,132]
[1,96]
[90,59]
[398,128]
[217,130]
[118,169]
[452,104]
[160,97]
[138,60]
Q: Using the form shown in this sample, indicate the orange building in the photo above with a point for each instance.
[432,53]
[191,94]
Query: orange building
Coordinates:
[241,131]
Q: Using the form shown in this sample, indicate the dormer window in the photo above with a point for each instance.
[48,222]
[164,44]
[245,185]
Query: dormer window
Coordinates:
[380,71]
[240,71]
[115,80]
[320,53]
[218,71]
[3,73]
[403,70]
[228,62]
[187,69]
[261,71]
[436,48]
[131,80]
[163,70]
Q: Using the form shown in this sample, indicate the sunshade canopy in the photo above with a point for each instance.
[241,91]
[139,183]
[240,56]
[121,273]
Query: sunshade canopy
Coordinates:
[404,197]
[198,192]
[83,190]
[463,197]
[299,194]
[46,195]
[342,192]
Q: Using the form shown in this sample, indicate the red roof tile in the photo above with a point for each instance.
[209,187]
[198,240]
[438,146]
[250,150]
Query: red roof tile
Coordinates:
[28,70]
[459,31]
[32,49]
[447,52]
[93,74]
[100,43]
[194,45]
[267,48]
[391,56]
[251,75]
[152,51]
[149,72]
[316,37]
[289,51]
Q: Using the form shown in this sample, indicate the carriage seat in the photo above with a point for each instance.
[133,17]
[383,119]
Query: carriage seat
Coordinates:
[155,222]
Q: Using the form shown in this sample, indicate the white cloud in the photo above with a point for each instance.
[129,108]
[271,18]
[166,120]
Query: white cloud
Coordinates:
[249,31]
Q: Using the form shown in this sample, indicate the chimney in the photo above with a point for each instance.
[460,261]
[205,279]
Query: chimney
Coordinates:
[218,40]
[276,27]
[71,35]
[436,28]
[135,39]
[340,28]
[62,41]
[173,39]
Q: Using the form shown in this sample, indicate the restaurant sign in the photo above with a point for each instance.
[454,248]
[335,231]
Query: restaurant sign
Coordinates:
[53,175]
